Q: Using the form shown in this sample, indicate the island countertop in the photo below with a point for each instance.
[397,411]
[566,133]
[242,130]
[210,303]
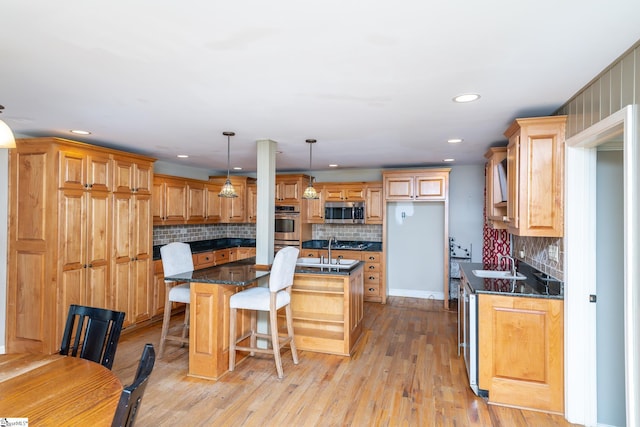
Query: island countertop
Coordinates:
[238,273]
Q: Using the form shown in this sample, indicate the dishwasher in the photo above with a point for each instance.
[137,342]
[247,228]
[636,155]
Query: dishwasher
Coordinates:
[468,342]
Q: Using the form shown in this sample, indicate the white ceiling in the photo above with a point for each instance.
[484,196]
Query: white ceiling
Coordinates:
[372,81]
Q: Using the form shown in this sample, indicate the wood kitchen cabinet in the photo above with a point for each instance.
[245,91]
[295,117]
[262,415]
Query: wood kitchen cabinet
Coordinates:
[373,276]
[196,202]
[344,192]
[289,188]
[66,220]
[314,208]
[535,176]
[328,311]
[374,203]
[416,185]
[521,351]
[169,200]
[234,209]
[495,202]
[373,272]
[252,202]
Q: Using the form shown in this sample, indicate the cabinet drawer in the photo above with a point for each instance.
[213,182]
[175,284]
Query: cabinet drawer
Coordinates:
[371,256]
[309,253]
[204,259]
[371,278]
[221,257]
[371,290]
[371,267]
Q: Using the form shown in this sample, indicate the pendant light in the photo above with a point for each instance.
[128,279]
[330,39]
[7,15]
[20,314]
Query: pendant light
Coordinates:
[227,189]
[310,192]
[6,136]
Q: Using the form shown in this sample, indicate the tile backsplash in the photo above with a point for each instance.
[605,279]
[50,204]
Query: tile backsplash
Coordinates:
[360,233]
[192,233]
[536,253]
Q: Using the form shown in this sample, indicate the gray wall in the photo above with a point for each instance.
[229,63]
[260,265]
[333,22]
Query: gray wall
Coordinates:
[466,204]
[610,288]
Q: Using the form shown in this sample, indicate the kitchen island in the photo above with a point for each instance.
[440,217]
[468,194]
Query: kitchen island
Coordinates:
[327,307]
[519,347]
[211,289]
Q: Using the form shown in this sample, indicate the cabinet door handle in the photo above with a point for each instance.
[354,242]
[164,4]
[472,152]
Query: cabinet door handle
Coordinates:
[372,289]
[371,267]
[371,277]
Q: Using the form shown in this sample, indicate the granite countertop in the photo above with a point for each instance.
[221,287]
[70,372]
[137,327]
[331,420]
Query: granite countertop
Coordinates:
[322,244]
[238,273]
[329,270]
[536,285]
[212,245]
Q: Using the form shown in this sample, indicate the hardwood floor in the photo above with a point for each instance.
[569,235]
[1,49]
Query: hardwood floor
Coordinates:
[405,371]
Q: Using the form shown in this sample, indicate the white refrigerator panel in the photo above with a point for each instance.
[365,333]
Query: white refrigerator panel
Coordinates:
[415,249]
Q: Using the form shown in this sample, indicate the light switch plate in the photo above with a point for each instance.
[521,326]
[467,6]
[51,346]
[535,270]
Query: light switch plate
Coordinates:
[552,251]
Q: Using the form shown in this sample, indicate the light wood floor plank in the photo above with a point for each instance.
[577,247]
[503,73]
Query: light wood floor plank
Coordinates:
[405,372]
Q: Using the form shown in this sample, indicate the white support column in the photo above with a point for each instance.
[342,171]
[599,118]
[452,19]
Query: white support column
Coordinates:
[266,175]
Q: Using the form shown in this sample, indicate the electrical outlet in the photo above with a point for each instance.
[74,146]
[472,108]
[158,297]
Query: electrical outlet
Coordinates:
[552,251]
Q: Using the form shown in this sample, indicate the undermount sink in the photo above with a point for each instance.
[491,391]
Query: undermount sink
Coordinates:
[498,274]
[335,263]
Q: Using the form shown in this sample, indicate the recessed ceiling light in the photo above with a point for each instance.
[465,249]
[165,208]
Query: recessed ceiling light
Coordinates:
[466,97]
[237,168]
[454,140]
[448,160]
[183,156]
[80,132]
[333,165]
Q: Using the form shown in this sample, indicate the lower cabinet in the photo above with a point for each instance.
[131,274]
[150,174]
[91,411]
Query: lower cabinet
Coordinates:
[521,351]
[373,273]
[328,311]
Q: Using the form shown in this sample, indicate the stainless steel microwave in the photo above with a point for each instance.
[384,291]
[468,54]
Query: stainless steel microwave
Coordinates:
[344,213]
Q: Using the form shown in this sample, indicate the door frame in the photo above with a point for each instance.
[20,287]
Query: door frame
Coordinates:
[580,277]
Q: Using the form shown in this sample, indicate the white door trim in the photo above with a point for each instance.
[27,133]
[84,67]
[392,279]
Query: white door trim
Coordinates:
[580,320]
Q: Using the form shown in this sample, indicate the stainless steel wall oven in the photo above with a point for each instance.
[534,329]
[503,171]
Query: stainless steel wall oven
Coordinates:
[287,226]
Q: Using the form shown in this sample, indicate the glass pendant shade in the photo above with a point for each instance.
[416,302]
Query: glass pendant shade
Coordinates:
[6,136]
[310,192]
[227,189]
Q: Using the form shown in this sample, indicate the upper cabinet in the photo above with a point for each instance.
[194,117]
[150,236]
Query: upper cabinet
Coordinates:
[535,176]
[374,203]
[169,200]
[416,185]
[313,209]
[289,188]
[190,201]
[252,201]
[234,210]
[496,186]
[344,192]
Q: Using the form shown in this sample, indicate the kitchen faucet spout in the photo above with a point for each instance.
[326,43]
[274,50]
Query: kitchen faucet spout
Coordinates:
[513,263]
[331,239]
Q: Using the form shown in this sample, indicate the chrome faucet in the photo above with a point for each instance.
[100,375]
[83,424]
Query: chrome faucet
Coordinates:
[513,263]
[331,239]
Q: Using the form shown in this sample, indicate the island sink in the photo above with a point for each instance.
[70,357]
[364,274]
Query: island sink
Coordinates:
[340,263]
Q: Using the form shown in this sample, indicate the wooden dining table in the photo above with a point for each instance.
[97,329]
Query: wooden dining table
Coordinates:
[56,390]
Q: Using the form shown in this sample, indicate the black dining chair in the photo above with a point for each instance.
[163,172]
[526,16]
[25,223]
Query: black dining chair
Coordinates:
[92,333]
[131,397]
